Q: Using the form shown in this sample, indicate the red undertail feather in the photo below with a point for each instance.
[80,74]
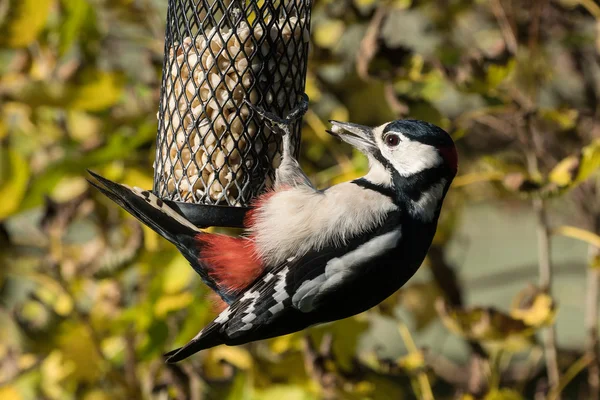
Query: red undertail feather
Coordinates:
[231,261]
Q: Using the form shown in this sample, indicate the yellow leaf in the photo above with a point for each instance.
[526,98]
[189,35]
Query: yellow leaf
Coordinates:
[169,303]
[479,323]
[339,113]
[328,33]
[177,275]
[27,361]
[575,169]
[83,127]
[503,394]
[237,356]
[24,22]
[10,392]
[97,394]
[312,89]
[99,91]
[281,344]
[63,305]
[578,233]
[14,174]
[534,307]
[566,119]
[68,188]
[414,361]
[81,360]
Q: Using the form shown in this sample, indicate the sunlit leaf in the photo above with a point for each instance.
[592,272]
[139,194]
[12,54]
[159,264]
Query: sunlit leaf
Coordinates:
[173,302]
[575,169]
[237,356]
[279,392]
[414,361]
[503,394]
[25,20]
[10,392]
[534,307]
[566,119]
[14,175]
[95,91]
[479,323]
[579,234]
[75,15]
[328,33]
[80,351]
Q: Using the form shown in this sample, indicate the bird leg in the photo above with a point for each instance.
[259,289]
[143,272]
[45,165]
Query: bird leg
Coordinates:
[289,172]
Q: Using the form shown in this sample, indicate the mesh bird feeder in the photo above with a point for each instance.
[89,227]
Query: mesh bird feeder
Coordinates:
[212,149]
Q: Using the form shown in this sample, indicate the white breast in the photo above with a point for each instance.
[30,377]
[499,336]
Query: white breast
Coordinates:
[295,221]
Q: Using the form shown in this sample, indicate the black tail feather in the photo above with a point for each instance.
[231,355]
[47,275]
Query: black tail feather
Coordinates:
[165,221]
[205,340]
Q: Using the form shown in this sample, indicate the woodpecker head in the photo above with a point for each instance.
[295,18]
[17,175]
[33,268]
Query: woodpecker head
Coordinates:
[406,146]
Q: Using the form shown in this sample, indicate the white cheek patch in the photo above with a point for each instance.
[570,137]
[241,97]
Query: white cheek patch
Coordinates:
[409,157]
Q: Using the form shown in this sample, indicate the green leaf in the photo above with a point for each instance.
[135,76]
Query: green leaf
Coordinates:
[24,22]
[278,392]
[14,175]
[95,91]
[75,16]
[503,394]
[119,147]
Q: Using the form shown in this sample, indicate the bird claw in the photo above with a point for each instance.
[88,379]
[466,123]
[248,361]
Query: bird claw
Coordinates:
[282,123]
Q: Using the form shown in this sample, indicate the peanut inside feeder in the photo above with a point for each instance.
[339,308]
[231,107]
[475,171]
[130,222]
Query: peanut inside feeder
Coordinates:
[209,150]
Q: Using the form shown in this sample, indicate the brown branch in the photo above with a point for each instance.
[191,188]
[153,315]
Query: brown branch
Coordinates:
[508,33]
[370,43]
[544,260]
[315,362]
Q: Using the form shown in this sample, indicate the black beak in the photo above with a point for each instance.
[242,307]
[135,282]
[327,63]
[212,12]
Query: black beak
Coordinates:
[359,136]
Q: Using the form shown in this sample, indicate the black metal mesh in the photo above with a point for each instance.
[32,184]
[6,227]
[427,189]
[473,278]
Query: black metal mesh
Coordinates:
[211,149]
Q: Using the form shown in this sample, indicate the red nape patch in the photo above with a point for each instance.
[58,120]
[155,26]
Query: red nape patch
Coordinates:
[257,204]
[451,157]
[232,262]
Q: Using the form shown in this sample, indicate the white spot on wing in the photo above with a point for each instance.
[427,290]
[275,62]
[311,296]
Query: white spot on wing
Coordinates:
[280,294]
[251,295]
[338,269]
[268,277]
[224,316]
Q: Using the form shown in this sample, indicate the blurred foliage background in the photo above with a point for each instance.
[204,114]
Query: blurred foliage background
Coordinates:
[505,306]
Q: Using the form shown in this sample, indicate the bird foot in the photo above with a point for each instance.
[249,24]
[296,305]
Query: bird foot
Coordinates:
[284,123]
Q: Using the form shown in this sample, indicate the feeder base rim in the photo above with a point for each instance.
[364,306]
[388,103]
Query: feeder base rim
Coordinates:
[204,216]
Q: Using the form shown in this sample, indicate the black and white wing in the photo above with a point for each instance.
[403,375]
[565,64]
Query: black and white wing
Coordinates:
[295,294]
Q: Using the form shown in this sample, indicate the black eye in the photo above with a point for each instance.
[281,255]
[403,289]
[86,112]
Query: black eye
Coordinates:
[392,140]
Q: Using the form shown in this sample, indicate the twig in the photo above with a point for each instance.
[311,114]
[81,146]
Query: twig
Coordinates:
[544,261]
[505,27]
[424,385]
[571,373]
[369,44]
[591,325]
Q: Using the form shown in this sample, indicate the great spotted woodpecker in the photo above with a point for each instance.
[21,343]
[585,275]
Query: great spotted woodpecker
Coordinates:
[311,256]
